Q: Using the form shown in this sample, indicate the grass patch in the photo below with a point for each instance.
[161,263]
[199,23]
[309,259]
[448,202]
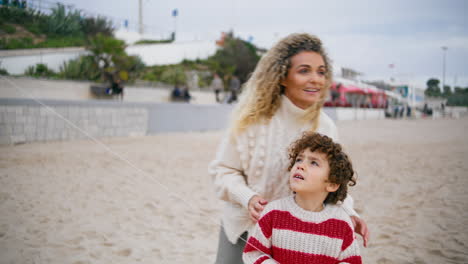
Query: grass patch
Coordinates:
[7,28]
[149,41]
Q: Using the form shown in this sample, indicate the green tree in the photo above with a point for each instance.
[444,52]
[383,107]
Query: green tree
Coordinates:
[459,97]
[447,91]
[40,70]
[236,57]
[81,68]
[432,89]
[106,50]
[109,56]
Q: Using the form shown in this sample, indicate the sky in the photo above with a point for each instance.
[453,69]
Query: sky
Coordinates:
[364,35]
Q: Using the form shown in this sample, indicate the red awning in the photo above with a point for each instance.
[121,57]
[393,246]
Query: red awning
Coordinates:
[352,89]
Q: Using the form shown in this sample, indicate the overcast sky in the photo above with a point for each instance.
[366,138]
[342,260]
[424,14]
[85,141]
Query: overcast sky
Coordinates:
[364,35]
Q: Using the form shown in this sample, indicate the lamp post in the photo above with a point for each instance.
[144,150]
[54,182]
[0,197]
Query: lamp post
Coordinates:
[140,18]
[444,49]
[175,13]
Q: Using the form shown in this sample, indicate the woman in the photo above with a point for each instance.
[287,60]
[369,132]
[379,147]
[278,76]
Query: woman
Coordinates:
[282,99]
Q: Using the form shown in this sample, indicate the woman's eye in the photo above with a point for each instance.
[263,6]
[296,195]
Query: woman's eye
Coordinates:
[322,73]
[304,70]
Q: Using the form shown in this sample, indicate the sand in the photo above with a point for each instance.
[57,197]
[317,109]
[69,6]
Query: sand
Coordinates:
[75,202]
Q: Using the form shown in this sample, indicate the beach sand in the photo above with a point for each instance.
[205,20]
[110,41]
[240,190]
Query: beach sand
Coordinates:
[75,202]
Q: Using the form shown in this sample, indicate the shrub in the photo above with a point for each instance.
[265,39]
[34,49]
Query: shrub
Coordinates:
[39,70]
[93,25]
[149,41]
[80,68]
[3,72]
[174,75]
[63,23]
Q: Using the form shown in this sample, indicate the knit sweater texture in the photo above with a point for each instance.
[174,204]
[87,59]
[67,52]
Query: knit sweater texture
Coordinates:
[256,161]
[286,233]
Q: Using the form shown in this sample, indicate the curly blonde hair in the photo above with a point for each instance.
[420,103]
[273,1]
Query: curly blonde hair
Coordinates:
[261,95]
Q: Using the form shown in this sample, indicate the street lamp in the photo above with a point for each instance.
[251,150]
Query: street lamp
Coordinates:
[444,48]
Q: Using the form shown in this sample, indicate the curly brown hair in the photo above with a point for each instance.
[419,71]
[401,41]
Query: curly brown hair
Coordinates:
[341,168]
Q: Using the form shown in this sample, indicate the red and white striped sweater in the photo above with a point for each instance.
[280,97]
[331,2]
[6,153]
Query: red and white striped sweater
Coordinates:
[286,233]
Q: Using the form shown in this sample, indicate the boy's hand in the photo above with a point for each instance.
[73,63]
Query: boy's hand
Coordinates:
[360,227]
[256,206]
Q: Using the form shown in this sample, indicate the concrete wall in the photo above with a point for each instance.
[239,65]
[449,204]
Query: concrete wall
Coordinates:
[25,120]
[344,113]
[17,61]
[176,117]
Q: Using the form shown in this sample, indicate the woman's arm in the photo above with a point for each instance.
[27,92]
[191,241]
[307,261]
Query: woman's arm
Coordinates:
[228,176]
[348,206]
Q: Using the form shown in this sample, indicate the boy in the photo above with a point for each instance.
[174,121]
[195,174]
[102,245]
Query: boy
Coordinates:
[308,227]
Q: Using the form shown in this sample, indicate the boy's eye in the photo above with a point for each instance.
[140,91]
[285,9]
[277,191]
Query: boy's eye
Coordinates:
[298,160]
[314,163]
[322,73]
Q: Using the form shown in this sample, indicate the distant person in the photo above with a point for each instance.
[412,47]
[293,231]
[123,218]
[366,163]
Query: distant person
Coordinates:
[402,110]
[186,94]
[319,174]
[335,94]
[176,92]
[408,110]
[115,84]
[234,88]
[117,88]
[396,111]
[427,110]
[217,85]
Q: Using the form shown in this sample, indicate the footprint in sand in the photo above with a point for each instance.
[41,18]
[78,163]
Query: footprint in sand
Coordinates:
[384,261]
[107,244]
[124,252]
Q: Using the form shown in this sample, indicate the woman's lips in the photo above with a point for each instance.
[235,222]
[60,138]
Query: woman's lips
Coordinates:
[311,90]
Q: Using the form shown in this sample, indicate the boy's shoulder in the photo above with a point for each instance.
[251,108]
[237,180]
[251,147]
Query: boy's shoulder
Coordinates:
[279,204]
[282,204]
[336,211]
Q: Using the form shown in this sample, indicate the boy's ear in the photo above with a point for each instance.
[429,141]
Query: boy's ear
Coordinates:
[332,187]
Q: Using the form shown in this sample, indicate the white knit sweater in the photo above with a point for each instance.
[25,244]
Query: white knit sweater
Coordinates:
[256,162]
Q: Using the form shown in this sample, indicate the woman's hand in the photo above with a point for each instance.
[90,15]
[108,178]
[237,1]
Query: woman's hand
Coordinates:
[360,227]
[256,206]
